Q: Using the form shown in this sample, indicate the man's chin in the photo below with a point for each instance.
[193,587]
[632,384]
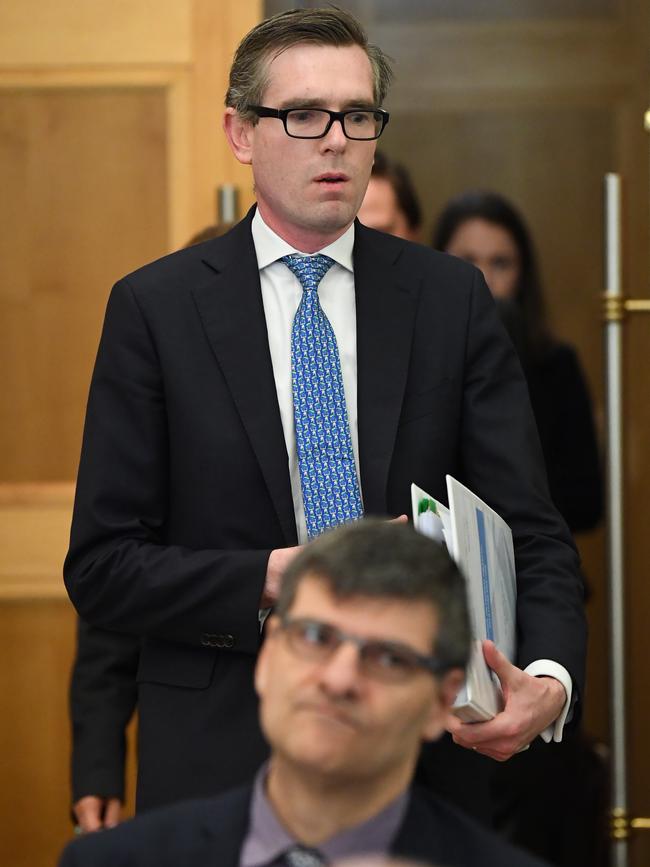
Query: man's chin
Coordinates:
[333,215]
[324,742]
[325,765]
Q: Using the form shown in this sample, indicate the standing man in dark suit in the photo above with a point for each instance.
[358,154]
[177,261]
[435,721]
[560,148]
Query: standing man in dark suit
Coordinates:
[103,696]
[234,411]
[362,660]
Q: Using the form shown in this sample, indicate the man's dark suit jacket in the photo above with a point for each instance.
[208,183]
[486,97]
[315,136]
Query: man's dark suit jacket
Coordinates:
[183,486]
[213,831]
[103,696]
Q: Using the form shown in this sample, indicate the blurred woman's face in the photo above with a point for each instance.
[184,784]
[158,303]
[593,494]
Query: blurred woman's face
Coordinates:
[492,249]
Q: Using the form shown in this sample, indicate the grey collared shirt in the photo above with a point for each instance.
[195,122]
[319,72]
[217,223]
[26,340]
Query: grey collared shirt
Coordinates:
[267,839]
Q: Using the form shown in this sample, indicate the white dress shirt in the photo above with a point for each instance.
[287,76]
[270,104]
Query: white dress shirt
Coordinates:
[281,294]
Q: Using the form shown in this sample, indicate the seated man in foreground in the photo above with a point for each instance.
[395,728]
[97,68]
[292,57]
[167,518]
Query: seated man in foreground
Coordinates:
[362,660]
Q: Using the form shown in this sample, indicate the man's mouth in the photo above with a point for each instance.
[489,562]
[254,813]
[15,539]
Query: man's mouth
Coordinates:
[330,711]
[331,178]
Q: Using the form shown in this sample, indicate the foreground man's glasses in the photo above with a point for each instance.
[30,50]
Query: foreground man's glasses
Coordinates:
[382,660]
[358,124]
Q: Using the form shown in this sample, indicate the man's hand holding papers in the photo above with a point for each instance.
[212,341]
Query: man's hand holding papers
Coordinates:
[531,705]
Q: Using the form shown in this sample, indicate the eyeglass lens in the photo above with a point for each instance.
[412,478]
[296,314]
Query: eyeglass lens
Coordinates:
[319,641]
[312,123]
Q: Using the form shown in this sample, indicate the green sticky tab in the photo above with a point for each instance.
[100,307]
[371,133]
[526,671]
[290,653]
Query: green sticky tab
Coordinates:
[427,505]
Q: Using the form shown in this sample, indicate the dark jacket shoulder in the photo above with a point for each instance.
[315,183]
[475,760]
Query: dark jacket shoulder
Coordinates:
[191,266]
[418,259]
[208,831]
[436,832]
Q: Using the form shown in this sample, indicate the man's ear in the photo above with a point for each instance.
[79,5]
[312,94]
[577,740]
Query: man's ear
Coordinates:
[262,665]
[448,688]
[239,133]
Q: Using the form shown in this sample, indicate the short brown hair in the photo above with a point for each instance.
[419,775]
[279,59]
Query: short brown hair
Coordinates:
[268,39]
[386,560]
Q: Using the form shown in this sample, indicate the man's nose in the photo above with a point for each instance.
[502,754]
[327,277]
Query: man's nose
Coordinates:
[340,674]
[335,138]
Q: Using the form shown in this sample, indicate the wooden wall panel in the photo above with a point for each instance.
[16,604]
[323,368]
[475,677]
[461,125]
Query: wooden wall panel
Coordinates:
[85,32]
[38,646]
[110,155]
[84,176]
[34,530]
[215,39]
[37,624]
[470,10]
[38,640]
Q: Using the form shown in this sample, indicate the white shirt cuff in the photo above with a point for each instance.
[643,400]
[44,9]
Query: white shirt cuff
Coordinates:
[548,668]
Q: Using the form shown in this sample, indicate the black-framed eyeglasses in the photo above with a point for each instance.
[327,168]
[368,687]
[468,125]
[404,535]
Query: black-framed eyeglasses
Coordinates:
[383,660]
[357,124]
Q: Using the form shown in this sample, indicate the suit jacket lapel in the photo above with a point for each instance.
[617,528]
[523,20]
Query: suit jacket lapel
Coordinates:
[230,306]
[386,306]
[420,836]
[224,822]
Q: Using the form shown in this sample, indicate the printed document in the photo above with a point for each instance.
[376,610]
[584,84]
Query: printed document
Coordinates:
[480,542]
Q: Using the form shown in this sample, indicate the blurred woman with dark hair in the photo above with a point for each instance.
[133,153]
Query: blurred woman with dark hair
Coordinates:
[485,229]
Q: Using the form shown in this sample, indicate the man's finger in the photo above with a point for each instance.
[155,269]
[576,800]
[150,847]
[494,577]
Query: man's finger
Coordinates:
[112,813]
[471,735]
[88,811]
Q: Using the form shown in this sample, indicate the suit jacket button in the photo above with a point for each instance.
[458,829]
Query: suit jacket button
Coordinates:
[229,640]
[220,641]
[205,639]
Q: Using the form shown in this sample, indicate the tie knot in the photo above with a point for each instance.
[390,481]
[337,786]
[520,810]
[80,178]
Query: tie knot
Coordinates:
[310,270]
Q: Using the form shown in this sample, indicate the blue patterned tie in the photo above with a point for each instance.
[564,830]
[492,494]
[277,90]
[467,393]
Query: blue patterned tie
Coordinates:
[328,476]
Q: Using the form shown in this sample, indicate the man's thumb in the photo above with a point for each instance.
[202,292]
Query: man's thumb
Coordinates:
[497,661]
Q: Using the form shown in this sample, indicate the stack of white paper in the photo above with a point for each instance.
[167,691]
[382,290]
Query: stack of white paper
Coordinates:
[480,542]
